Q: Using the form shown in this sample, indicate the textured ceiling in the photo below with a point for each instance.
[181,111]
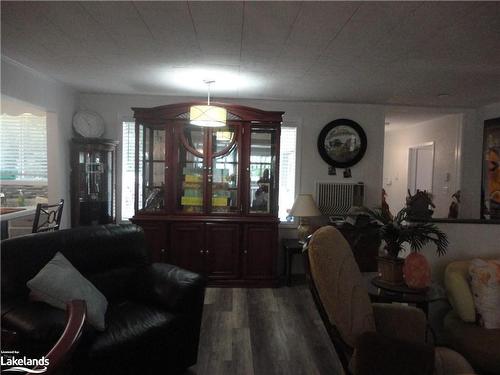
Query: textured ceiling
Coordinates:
[398,117]
[362,52]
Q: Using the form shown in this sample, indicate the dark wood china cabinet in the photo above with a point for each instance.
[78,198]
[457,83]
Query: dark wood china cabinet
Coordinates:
[207,198]
[93,164]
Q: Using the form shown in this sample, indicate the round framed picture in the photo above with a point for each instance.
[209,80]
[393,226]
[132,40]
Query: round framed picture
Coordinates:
[342,143]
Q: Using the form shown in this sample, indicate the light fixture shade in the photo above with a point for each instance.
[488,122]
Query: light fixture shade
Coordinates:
[207,115]
[304,206]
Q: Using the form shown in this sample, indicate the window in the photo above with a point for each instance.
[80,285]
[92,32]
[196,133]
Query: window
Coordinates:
[128,170]
[288,161]
[23,152]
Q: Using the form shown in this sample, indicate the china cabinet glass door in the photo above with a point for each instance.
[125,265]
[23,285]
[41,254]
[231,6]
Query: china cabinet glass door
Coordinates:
[95,193]
[92,185]
[190,170]
[262,168]
[153,169]
[224,171]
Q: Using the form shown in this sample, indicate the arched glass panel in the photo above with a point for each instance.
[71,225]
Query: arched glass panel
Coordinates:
[190,170]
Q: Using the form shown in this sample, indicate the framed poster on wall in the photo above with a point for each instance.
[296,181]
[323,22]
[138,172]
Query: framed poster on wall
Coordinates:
[490,208]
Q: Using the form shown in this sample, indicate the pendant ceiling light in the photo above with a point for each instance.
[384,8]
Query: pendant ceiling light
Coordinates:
[207,115]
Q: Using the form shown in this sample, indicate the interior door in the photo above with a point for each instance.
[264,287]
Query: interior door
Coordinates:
[421,168]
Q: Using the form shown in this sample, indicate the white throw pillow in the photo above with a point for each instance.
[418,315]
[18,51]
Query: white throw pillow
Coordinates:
[59,282]
[485,286]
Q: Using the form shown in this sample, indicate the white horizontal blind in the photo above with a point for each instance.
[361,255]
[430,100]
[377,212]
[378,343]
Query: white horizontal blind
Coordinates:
[23,153]
[288,161]
[128,168]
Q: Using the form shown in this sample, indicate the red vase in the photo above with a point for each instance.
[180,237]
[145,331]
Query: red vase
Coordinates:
[417,271]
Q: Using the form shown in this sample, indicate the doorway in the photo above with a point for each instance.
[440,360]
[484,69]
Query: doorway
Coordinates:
[421,167]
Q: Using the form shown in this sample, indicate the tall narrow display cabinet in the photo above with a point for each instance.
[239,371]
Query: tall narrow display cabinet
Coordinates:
[93,164]
[206,197]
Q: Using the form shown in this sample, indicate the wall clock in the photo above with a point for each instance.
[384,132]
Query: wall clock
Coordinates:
[88,124]
[342,143]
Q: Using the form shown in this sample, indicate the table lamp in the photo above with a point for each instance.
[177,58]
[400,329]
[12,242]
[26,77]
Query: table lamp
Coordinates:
[303,208]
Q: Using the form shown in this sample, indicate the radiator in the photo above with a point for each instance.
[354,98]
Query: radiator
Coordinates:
[336,199]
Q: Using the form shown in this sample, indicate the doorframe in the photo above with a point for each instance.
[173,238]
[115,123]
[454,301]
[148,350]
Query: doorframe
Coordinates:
[412,152]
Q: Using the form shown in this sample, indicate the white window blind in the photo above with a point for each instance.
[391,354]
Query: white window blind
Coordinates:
[23,152]
[288,161]
[128,168]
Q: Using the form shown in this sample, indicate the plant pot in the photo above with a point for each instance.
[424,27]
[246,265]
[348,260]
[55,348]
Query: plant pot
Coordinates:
[390,270]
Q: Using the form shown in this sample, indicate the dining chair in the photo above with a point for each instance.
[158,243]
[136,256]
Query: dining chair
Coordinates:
[47,217]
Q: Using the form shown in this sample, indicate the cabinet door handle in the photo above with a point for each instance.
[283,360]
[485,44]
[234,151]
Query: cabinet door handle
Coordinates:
[162,254]
[245,252]
[206,251]
[201,251]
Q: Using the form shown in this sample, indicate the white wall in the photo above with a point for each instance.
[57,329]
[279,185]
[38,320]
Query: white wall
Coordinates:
[489,112]
[59,101]
[467,241]
[445,133]
[471,164]
[311,117]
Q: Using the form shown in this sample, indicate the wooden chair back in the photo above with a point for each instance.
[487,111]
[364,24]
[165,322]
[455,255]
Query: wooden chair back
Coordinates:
[60,353]
[47,217]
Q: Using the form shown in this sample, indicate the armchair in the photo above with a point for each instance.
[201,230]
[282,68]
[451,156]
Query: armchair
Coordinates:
[154,310]
[369,338]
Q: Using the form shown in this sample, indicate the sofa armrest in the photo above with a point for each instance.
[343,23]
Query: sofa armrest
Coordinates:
[175,288]
[400,321]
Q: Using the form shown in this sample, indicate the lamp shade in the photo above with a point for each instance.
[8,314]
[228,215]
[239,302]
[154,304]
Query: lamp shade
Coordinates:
[304,206]
[207,115]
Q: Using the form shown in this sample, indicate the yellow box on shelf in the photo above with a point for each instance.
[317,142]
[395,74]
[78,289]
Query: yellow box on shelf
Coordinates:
[191,201]
[220,202]
[192,185]
[192,178]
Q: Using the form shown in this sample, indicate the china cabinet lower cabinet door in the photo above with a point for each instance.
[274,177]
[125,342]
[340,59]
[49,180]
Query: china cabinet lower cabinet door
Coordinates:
[155,234]
[187,246]
[259,250]
[222,250]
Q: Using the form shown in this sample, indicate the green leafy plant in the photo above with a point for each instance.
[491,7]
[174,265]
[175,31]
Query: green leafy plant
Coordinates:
[399,230]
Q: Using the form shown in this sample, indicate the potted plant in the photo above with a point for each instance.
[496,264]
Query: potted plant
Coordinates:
[398,231]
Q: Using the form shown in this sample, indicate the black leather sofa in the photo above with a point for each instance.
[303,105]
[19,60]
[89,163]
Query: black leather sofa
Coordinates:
[154,313]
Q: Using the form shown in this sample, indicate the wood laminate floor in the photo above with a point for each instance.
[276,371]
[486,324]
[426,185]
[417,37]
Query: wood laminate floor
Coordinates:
[263,332]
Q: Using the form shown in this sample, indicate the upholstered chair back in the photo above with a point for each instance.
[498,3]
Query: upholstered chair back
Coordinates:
[339,284]
[107,255]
